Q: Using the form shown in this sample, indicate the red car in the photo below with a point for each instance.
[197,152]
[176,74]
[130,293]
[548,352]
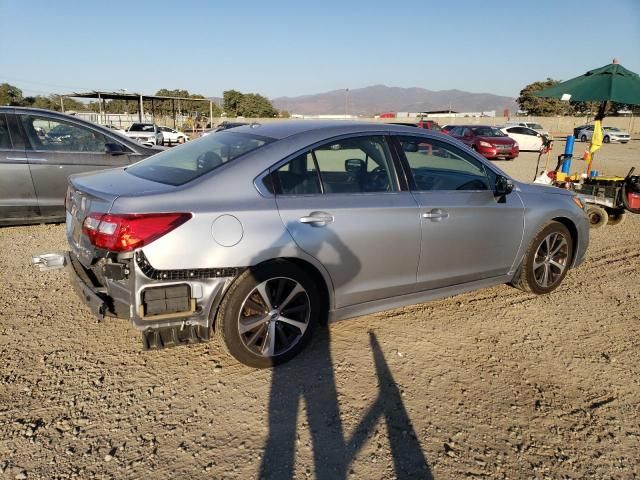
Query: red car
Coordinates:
[488,141]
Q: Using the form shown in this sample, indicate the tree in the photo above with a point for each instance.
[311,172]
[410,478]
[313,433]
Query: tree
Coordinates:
[52,102]
[537,105]
[10,95]
[250,105]
[231,102]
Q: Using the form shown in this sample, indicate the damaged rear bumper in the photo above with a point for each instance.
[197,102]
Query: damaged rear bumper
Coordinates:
[168,307]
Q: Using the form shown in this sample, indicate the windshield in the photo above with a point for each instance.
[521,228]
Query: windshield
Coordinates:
[488,132]
[192,160]
[141,127]
[612,129]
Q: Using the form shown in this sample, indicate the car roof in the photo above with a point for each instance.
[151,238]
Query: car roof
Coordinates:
[287,128]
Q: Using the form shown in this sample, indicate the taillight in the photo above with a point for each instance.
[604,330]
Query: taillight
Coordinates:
[123,233]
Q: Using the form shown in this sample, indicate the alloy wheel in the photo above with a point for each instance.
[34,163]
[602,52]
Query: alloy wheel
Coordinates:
[550,260]
[274,316]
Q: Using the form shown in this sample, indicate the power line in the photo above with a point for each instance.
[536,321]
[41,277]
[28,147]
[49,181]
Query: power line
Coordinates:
[47,84]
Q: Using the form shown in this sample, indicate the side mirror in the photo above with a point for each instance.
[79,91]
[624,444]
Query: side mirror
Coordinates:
[504,186]
[115,149]
[410,147]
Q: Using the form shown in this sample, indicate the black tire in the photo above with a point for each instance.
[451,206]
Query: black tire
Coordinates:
[616,217]
[606,139]
[529,277]
[598,216]
[244,300]
[583,138]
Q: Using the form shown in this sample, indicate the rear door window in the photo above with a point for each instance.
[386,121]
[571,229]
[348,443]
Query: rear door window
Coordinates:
[5,138]
[352,165]
[49,134]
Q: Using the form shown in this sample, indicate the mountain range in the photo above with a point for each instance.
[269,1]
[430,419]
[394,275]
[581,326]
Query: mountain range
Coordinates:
[376,99]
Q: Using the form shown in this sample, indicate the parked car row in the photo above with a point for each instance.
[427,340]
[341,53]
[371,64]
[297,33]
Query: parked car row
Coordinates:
[490,142]
[609,134]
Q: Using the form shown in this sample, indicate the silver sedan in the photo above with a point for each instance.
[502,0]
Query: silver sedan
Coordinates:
[262,232]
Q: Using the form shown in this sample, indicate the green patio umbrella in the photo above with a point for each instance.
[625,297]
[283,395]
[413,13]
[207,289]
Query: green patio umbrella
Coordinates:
[611,83]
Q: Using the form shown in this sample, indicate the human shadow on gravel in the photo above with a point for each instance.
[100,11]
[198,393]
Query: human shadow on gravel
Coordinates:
[310,377]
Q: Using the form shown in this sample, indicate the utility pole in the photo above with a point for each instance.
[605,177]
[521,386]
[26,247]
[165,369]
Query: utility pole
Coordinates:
[346,102]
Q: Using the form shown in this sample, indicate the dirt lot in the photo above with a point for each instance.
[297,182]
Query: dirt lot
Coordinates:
[491,384]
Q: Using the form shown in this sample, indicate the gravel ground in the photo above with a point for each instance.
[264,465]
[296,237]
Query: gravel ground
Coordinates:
[491,384]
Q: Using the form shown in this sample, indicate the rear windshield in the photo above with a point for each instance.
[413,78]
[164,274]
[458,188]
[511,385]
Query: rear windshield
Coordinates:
[535,126]
[488,132]
[192,160]
[141,127]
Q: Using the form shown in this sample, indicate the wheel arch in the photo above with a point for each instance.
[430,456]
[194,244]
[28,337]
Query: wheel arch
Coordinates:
[323,283]
[573,230]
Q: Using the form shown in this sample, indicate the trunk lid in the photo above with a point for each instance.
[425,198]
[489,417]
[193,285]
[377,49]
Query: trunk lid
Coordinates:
[95,192]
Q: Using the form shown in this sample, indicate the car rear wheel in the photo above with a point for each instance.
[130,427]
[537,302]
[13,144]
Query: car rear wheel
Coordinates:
[598,216]
[180,139]
[547,260]
[268,314]
[583,138]
[606,139]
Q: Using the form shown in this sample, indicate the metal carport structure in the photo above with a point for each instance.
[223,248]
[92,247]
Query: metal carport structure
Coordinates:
[101,96]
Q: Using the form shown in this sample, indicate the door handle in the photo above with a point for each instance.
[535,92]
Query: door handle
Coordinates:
[435,215]
[317,219]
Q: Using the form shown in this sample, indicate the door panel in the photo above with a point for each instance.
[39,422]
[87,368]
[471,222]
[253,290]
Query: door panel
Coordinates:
[342,204]
[476,236]
[17,195]
[59,149]
[467,233]
[370,247]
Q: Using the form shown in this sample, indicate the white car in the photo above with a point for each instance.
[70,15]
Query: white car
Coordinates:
[609,134]
[171,135]
[527,138]
[145,133]
[532,125]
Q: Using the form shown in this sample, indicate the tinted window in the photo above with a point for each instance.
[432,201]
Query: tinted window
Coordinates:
[436,165]
[141,127]
[299,176]
[194,159]
[488,132]
[355,165]
[5,140]
[352,165]
[57,135]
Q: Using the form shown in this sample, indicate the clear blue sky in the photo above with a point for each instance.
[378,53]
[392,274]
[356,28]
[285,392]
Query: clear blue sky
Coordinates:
[289,48]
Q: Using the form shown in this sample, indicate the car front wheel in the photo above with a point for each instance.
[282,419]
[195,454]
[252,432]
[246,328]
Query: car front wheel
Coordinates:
[269,314]
[547,260]
[583,138]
